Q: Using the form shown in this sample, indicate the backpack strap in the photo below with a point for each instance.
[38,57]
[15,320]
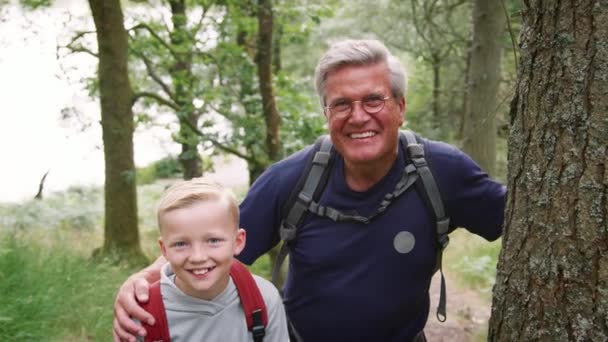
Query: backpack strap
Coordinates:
[251,300]
[160,330]
[432,196]
[311,183]
[314,179]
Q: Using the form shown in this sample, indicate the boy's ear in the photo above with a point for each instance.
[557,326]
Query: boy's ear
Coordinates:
[163,249]
[239,241]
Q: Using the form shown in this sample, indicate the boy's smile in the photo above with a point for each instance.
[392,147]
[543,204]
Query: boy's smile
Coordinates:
[200,241]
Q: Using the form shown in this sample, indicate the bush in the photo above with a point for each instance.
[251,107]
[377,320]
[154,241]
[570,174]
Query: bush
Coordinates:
[79,208]
[168,167]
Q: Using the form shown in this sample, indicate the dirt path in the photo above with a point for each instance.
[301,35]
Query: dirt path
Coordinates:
[467,315]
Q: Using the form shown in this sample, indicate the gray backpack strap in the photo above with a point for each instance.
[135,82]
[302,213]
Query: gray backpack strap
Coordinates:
[288,229]
[416,154]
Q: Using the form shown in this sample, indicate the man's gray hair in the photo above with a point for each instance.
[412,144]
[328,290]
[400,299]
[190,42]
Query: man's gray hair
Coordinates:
[359,52]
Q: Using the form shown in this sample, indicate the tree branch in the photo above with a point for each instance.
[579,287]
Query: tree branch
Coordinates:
[161,100]
[156,36]
[215,143]
[155,77]
[80,48]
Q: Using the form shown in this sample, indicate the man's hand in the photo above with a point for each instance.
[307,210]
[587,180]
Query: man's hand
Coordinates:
[126,306]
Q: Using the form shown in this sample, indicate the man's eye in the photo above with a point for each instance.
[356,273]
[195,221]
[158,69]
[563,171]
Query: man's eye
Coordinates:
[373,101]
[341,105]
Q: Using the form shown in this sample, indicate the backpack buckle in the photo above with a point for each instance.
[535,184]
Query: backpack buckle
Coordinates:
[443,240]
[287,232]
[257,330]
[415,151]
[443,226]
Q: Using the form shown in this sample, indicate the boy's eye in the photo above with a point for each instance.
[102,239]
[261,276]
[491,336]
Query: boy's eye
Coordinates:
[179,244]
[214,241]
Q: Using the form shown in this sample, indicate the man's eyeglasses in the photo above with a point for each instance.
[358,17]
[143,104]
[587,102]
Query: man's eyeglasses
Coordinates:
[342,108]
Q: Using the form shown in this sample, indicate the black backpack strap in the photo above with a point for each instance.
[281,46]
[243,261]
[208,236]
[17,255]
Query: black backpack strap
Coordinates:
[432,195]
[313,180]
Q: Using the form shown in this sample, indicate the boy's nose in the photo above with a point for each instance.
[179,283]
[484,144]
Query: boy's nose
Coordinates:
[198,253]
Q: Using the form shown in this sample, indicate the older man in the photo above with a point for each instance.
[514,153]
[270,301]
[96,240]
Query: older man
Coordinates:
[352,280]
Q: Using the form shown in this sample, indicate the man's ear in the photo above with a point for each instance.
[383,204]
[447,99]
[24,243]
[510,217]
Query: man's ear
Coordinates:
[163,249]
[402,106]
[239,241]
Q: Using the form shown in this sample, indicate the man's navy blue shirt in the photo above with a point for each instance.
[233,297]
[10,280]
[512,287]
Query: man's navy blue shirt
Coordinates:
[347,281]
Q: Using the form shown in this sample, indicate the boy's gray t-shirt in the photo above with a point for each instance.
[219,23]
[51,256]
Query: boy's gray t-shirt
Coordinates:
[221,319]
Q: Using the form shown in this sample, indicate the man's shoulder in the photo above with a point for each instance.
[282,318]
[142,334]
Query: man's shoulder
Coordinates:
[295,160]
[441,154]
[284,173]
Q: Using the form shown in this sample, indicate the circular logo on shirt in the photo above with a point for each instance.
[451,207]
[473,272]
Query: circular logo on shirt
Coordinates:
[404,242]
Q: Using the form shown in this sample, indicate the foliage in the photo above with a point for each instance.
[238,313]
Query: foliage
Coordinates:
[78,208]
[472,261]
[34,4]
[168,167]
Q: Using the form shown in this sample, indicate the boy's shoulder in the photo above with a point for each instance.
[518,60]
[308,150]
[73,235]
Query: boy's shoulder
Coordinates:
[267,288]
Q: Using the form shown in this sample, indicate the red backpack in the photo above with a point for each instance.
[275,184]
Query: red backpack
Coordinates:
[251,300]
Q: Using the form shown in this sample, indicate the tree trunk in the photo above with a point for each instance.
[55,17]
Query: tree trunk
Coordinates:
[437,119]
[552,280]
[264,65]
[484,79]
[121,237]
[181,75]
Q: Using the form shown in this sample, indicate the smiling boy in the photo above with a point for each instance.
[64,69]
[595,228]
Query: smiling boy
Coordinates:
[200,235]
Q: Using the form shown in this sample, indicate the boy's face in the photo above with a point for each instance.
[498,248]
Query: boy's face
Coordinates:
[199,242]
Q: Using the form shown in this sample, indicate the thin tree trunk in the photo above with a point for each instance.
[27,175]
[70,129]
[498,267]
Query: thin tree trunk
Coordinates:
[480,124]
[552,280]
[121,237]
[181,74]
[264,64]
[437,120]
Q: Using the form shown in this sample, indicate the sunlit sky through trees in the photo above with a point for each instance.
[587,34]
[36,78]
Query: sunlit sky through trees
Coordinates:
[33,91]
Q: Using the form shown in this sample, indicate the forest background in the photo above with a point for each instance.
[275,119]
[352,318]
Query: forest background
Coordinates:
[216,83]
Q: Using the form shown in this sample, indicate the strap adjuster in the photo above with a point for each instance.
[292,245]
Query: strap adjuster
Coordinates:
[443,240]
[287,232]
[415,151]
[443,225]
[257,330]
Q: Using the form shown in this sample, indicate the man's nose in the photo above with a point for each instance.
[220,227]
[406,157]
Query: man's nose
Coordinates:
[358,112]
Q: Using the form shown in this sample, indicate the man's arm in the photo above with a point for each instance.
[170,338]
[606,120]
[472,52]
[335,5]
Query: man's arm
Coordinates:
[126,305]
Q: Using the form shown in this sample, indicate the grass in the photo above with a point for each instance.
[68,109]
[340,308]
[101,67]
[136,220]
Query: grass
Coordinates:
[53,292]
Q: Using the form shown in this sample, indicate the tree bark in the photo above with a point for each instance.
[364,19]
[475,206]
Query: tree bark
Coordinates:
[552,280]
[121,237]
[264,65]
[181,75]
[484,79]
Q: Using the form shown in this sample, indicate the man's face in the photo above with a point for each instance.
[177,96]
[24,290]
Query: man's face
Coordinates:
[199,242]
[363,138]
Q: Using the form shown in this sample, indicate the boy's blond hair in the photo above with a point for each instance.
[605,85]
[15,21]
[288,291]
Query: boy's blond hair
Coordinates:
[184,194]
